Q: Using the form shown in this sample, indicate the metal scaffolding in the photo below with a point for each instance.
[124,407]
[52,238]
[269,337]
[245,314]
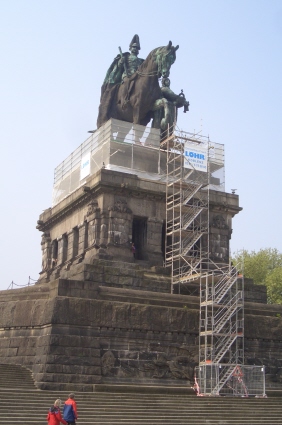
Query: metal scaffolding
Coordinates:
[192,161]
[221,331]
[187,212]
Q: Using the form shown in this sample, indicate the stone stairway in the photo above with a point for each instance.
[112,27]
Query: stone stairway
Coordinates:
[16,377]
[22,403]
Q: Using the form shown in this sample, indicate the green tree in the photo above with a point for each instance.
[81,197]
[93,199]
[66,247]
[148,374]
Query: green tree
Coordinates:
[273,283]
[265,268]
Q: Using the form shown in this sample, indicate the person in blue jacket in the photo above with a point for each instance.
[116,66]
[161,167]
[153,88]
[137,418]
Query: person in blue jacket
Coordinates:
[70,410]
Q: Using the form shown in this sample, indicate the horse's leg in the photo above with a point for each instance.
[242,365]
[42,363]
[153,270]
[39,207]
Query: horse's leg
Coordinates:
[161,114]
[137,118]
[156,123]
[168,119]
[164,115]
[136,110]
[124,116]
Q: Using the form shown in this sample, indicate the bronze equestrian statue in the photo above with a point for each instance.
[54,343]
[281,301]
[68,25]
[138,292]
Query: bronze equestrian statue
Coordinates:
[131,90]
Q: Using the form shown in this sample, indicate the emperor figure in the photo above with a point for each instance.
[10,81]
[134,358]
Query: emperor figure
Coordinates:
[123,66]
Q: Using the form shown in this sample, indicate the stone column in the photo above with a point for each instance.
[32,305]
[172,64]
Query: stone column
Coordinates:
[120,221]
[82,237]
[104,230]
[70,236]
[62,249]
[113,233]
[119,229]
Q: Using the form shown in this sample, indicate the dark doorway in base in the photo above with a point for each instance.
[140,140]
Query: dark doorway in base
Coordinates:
[139,237]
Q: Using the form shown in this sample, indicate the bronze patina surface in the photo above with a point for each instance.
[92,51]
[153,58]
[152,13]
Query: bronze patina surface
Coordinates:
[131,91]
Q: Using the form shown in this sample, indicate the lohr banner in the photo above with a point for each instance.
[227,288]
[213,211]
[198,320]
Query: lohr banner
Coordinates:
[85,166]
[196,157]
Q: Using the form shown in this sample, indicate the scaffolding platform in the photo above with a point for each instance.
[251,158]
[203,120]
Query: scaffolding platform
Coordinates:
[124,147]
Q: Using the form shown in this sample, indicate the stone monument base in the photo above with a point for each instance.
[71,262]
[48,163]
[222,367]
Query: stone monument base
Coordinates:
[101,315]
[115,323]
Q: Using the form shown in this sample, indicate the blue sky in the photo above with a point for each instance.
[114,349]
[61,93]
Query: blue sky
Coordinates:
[55,54]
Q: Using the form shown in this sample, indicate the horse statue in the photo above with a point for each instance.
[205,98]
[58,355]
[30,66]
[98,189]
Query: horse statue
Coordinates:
[137,98]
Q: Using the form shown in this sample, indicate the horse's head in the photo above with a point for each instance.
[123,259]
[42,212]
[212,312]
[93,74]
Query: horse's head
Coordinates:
[165,57]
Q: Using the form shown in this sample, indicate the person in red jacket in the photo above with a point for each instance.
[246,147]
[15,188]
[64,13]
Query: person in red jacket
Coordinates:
[54,416]
[70,410]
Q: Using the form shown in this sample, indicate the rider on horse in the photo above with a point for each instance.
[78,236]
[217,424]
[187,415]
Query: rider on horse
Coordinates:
[123,66]
[131,90]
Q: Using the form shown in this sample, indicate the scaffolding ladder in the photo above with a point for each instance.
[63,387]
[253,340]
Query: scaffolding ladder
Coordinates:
[221,331]
[221,324]
[187,213]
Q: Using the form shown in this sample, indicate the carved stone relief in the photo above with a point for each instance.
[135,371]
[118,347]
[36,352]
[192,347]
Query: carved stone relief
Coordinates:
[219,239]
[120,223]
[159,366]
[219,247]
[108,363]
[92,207]
[120,205]
[46,250]
[219,222]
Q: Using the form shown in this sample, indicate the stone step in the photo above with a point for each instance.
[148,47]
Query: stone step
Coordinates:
[140,399]
[148,421]
[16,376]
[183,410]
[128,398]
[155,414]
[135,405]
[125,405]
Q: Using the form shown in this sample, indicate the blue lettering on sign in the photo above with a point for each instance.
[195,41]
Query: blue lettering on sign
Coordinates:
[85,164]
[192,154]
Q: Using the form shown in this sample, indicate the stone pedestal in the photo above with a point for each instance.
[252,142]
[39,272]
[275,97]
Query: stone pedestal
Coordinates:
[98,314]
[118,209]
[117,323]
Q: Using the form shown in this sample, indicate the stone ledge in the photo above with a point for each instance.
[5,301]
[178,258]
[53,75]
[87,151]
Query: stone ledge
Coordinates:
[155,389]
